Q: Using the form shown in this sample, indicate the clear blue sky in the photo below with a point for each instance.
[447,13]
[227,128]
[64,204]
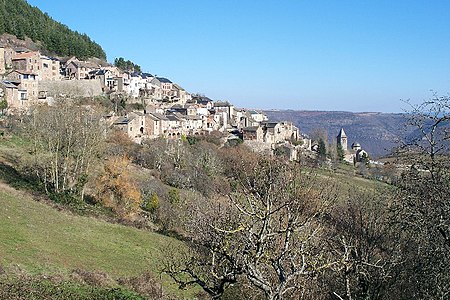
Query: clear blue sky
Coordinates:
[314,55]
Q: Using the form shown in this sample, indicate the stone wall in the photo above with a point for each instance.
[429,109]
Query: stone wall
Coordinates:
[71,88]
[260,147]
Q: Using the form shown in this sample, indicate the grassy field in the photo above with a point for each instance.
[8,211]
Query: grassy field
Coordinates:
[43,240]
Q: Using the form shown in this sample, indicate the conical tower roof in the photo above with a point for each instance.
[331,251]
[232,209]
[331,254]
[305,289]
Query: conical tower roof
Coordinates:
[342,133]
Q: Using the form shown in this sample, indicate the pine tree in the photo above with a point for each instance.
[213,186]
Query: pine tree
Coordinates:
[19,18]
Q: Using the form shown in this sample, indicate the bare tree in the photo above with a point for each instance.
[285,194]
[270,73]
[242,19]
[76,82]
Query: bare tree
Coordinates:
[267,231]
[65,141]
[422,208]
[361,240]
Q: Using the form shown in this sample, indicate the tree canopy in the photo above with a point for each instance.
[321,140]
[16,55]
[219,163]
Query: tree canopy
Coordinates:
[19,18]
[126,65]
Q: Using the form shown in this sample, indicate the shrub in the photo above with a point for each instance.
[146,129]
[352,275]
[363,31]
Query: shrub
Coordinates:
[174,196]
[152,203]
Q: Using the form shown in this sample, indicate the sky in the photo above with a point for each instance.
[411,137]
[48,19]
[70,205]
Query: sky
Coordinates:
[278,54]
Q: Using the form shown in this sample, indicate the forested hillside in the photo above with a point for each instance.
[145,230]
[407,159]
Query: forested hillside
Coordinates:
[377,133]
[19,18]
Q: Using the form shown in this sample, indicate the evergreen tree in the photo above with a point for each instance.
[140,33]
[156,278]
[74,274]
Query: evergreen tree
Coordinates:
[19,18]
[126,65]
[340,152]
[322,150]
[3,105]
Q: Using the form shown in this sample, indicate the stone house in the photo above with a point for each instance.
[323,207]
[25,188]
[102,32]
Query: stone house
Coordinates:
[2,60]
[257,116]
[50,68]
[27,83]
[175,126]
[191,124]
[166,86]
[361,156]
[114,71]
[210,123]
[137,84]
[156,125]
[119,83]
[289,151]
[253,133]
[180,94]
[226,107]
[278,132]
[133,125]
[8,54]
[220,121]
[104,76]
[10,92]
[79,69]
[203,101]
[27,61]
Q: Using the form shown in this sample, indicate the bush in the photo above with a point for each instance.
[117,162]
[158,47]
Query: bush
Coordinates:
[174,196]
[152,203]
[145,285]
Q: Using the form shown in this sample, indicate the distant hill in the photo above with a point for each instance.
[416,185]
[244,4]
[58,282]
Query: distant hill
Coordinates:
[377,133]
[22,20]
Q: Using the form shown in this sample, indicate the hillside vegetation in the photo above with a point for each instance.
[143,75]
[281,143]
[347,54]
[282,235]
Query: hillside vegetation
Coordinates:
[39,239]
[242,225]
[19,18]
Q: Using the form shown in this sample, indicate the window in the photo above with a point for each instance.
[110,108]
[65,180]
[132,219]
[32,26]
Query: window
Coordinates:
[45,65]
[23,95]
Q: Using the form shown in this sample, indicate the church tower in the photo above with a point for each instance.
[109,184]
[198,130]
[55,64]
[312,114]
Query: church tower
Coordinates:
[342,139]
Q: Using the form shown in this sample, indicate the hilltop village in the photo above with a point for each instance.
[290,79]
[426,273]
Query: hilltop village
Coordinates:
[164,108]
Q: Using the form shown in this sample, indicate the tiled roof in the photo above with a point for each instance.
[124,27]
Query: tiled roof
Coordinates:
[222,104]
[151,116]
[25,72]
[84,64]
[98,72]
[164,80]
[159,116]
[122,121]
[8,84]
[270,124]
[24,55]
[188,117]
[178,87]
[250,129]
[137,113]
[146,75]
[172,118]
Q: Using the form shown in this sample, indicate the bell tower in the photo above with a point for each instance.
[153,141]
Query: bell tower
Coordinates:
[342,139]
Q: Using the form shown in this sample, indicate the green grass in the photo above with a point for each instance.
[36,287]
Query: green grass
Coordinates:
[46,289]
[344,181]
[43,240]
